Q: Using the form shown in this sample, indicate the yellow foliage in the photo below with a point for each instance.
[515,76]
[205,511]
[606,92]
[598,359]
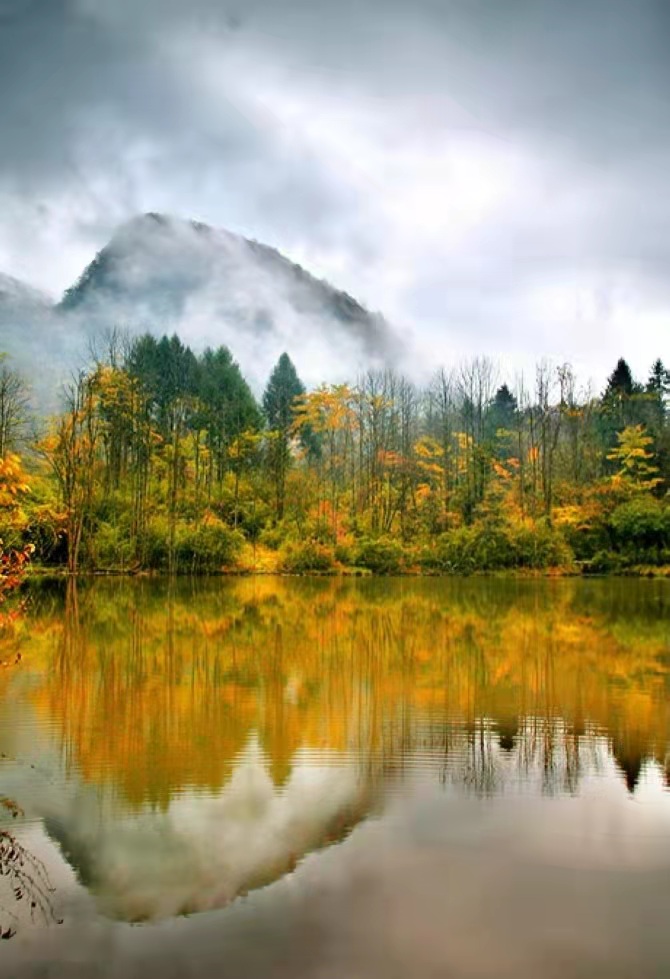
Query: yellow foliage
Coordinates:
[216,660]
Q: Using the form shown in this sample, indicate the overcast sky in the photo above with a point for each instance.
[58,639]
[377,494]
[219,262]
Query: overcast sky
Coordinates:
[492,175]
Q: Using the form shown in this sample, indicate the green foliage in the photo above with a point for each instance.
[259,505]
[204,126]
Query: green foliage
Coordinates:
[641,531]
[497,547]
[111,547]
[606,562]
[306,556]
[382,555]
[207,548]
[345,554]
[204,548]
[273,537]
[279,397]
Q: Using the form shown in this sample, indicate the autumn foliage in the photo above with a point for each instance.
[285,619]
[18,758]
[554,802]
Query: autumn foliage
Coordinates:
[163,460]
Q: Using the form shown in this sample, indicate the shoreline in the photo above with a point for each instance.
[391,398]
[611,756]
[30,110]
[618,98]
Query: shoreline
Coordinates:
[661,572]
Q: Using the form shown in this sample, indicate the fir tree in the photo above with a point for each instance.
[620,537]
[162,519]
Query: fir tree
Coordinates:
[620,382]
[279,399]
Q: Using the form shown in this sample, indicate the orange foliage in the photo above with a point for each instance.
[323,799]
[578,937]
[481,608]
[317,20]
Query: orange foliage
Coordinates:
[155,693]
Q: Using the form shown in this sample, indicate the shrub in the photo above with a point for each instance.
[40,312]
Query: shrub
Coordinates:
[305,556]
[587,540]
[206,547]
[640,530]
[540,546]
[154,544]
[272,537]
[380,555]
[452,553]
[494,546]
[344,553]
[111,547]
[200,548]
[605,562]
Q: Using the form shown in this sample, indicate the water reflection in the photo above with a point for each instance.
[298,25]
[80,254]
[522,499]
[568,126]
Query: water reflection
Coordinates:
[211,733]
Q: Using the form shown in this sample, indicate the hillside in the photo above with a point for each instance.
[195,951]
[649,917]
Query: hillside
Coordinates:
[162,274]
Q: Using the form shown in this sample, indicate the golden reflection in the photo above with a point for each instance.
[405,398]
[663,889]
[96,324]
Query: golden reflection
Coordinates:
[156,688]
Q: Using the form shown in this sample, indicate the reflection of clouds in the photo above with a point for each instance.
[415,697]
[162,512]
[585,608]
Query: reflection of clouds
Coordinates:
[204,851]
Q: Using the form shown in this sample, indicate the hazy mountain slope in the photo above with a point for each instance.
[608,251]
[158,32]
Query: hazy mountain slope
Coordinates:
[163,274]
[36,340]
[15,295]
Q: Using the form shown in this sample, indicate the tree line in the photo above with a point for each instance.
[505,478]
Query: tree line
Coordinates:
[163,459]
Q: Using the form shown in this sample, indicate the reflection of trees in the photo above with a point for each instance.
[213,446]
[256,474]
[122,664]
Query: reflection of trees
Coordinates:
[156,688]
[25,880]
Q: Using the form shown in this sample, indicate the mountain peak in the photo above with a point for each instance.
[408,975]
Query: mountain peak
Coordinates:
[160,274]
[169,271]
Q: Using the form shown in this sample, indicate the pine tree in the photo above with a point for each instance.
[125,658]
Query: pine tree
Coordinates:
[623,403]
[283,387]
[620,382]
[279,398]
[502,409]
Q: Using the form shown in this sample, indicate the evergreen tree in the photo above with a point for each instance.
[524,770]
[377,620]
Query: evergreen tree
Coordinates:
[283,387]
[227,406]
[621,404]
[658,393]
[500,420]
[620,382]
[659,378]
[503,409]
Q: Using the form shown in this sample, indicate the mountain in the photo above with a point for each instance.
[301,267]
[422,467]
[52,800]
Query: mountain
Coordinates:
[36,340]
[211,286]
[16,295]
[163,274]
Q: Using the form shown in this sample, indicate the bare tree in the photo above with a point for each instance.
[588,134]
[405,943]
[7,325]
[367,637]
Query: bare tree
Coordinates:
[476,386]
[72,452]
[14,409]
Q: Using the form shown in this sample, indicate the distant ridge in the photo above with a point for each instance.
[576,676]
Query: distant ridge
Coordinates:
[164,274]
[157,263]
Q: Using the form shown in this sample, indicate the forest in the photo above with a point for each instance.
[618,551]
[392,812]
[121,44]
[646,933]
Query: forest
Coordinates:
[163,460]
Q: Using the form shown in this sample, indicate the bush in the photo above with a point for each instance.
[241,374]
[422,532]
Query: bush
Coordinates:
[198,549]
[588,540]
[154,544]
[452,552]
[272,537]
[306,556]
[111,547]
[380,555]
[640,530]
[605,562]
[539,547]
[496,547]
[208,547]
[344,554]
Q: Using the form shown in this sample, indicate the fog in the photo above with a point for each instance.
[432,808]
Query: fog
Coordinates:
[489,176]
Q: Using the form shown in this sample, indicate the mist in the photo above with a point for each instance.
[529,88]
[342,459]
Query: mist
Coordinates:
[490,177]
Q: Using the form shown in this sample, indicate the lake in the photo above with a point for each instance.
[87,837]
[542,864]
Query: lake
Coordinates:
[286,777]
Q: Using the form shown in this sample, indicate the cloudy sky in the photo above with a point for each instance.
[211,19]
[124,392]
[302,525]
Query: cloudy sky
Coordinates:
[491,174]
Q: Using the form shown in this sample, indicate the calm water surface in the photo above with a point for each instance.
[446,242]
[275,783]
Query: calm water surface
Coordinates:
[271,777]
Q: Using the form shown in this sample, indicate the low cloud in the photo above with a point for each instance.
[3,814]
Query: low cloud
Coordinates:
[490,176]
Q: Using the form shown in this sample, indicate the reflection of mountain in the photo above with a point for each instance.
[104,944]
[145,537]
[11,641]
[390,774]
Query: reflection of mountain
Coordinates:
[229,726]
[375,669]
[205,850]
